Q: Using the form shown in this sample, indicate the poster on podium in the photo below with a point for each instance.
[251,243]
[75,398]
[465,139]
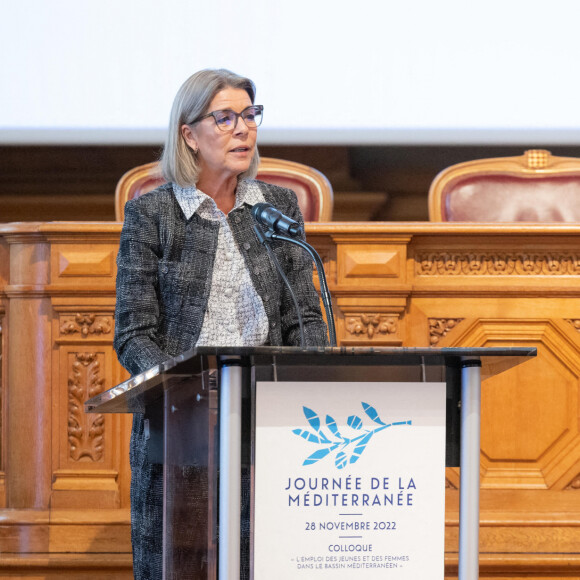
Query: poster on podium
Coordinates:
[349,481]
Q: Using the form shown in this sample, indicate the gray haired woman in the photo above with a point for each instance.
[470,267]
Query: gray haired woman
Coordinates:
[191,271]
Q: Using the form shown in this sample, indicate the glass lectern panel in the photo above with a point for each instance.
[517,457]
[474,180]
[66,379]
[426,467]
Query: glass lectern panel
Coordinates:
[190,460]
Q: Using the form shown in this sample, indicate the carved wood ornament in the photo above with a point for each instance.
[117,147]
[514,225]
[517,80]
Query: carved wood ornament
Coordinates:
[497,264]
[85,432]
[86,324]
[574,484]
[371,325]
[439,327]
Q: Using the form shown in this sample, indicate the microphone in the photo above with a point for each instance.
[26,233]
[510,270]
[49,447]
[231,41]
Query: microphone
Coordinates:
[281,227]
[269,216]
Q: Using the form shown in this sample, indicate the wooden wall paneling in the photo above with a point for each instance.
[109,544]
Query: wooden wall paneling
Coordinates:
[408,284]
[90,471]
[68,566]
[533,444]
[4,274]
[365,265]
[515,291]
[67,473]
[86,450]
[470,288]
[3,325]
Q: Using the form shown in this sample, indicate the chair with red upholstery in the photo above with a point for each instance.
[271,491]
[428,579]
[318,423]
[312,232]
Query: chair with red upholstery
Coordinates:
[314,192]
[534,187]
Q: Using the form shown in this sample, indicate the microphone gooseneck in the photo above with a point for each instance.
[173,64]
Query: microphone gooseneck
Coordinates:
[283,228]
[324,291]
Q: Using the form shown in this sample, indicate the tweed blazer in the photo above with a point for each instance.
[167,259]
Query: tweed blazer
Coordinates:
[165,265]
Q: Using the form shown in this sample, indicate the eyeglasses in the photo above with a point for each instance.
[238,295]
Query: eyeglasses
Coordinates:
[227,120]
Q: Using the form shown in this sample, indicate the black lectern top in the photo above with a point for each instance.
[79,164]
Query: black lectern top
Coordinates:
[134,394]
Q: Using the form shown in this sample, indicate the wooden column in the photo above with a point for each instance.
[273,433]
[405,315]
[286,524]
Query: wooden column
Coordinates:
[28,396]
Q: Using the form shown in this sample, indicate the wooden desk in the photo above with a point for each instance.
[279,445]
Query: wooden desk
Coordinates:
[64,476]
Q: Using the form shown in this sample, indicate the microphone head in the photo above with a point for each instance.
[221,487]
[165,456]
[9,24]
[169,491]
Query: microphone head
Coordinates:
[272,218]
[258,209]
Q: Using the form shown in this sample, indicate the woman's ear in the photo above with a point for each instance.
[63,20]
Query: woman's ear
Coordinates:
[189,137]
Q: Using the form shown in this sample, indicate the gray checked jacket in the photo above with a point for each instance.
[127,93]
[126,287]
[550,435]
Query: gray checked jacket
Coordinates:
[165,264]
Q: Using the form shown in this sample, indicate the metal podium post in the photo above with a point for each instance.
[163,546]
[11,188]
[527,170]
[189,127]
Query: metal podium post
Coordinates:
[230,464]
[469,468]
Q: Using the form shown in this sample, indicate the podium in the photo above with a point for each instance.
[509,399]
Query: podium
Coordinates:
[200,414]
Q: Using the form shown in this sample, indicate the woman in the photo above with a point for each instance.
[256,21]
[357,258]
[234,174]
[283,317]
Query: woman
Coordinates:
[191,270]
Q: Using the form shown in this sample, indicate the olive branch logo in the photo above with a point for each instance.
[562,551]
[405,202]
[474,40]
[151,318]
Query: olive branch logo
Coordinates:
[348,446]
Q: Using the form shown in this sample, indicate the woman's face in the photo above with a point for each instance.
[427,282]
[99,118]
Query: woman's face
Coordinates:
[223,154]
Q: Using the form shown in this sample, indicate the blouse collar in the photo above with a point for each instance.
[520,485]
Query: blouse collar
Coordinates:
[190,198]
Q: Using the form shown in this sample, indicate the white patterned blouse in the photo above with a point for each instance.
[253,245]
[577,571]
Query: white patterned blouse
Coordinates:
[235,314]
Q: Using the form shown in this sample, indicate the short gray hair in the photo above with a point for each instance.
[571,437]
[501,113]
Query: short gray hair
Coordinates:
[178,162]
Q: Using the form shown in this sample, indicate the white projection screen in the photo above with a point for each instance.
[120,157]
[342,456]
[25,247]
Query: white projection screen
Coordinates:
[327,71]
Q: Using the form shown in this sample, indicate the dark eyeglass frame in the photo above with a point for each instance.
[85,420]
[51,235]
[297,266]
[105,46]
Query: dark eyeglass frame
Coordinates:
[243,115]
